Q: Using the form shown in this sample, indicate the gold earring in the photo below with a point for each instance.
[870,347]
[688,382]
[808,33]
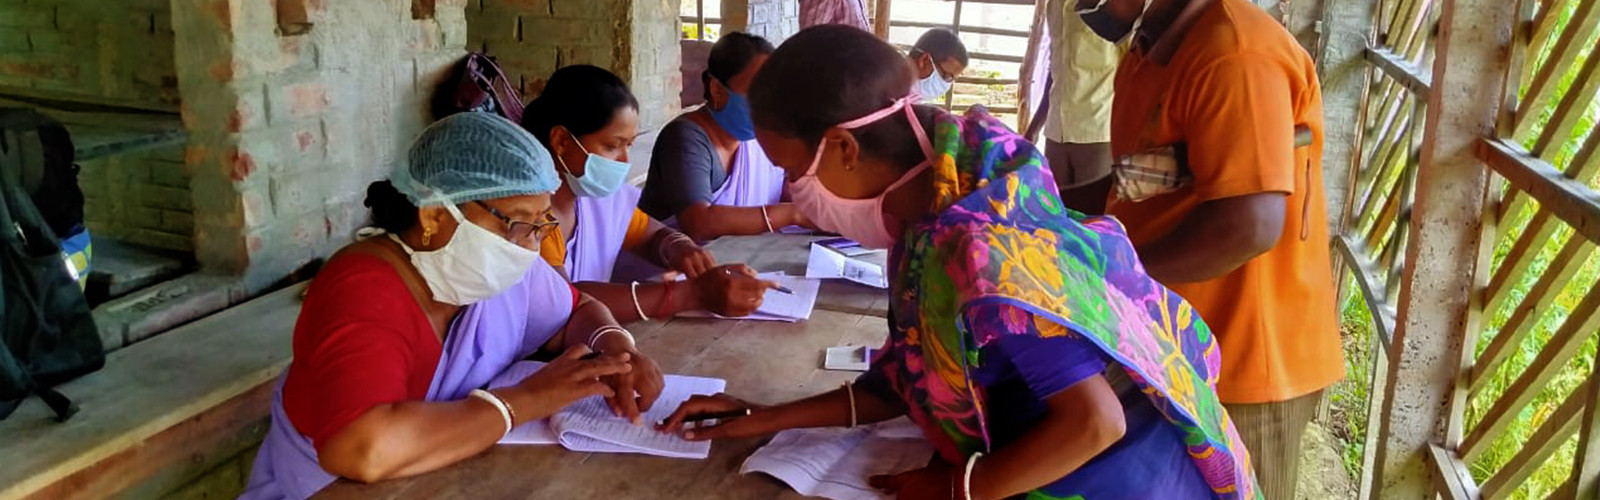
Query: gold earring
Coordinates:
[427,235]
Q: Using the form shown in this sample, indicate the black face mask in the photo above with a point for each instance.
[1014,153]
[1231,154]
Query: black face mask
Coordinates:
[1108,26]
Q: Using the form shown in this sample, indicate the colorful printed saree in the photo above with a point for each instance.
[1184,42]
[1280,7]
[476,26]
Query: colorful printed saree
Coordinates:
[1003,237]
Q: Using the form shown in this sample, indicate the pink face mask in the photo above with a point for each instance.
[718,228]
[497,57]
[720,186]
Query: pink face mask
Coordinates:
[861,220]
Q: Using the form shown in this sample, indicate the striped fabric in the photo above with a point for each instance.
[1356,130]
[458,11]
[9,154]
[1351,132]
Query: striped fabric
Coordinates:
[1272,433]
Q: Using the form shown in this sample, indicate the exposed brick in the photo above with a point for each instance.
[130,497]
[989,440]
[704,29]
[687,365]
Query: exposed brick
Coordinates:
[13,40]
[250,111]
[308,140]
[163,173]
[293,196]
[307,99]
[177,222]
[165,197]
[257,207]
[241,164]
[158,239]
[425,36]
[26,15]
[585,9]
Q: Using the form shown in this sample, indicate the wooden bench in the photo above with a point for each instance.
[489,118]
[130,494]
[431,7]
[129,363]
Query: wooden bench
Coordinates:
[161,414]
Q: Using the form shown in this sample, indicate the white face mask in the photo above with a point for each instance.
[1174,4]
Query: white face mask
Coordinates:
[934,86]
[474,265]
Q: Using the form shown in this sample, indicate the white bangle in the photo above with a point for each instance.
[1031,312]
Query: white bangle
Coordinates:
[505,409]
[600,332]
[636,307]
[851,391]
[767,219]
[966,479]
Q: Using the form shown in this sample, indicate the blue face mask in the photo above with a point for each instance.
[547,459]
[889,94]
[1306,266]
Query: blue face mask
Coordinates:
[601,176]
[734,117]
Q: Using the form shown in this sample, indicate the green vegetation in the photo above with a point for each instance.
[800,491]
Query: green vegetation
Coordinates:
[1350,397]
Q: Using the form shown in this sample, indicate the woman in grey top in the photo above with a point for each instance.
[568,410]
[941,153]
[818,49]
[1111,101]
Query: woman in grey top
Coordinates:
[708,175]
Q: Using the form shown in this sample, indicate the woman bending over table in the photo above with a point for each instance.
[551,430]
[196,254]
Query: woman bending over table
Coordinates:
[400,331]
[1025,339]
[588,119]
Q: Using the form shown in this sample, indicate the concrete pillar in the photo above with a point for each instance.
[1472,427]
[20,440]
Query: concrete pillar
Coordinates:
[289,126]
[1423,398]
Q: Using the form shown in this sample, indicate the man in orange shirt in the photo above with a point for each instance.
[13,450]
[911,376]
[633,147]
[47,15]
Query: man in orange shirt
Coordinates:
[1217,87]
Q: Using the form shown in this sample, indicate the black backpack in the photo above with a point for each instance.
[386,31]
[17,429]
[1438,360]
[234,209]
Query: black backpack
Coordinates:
[47,334]
[478,84]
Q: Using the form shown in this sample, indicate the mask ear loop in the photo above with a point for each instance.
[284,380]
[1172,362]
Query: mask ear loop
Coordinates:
[903,103]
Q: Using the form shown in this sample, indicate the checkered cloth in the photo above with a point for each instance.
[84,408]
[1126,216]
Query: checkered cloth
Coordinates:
[1150,173]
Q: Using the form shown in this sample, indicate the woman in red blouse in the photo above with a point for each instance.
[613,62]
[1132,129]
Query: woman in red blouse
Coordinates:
[402,330]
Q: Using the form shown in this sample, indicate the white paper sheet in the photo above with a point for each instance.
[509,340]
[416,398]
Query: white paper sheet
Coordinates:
[824,263]
[835,462]
[589,426]
[776,305]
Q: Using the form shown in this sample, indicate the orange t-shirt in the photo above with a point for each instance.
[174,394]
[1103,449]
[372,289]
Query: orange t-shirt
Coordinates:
[1234,91]
[554,246]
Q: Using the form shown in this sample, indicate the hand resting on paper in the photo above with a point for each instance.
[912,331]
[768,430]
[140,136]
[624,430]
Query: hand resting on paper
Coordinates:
[566,380]
[636,390]
[939,480]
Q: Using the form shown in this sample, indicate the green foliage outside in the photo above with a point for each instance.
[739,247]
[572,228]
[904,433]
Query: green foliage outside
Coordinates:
[1350,398]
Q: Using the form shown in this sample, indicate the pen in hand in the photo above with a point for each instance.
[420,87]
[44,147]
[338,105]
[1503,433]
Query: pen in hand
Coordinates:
[696,419]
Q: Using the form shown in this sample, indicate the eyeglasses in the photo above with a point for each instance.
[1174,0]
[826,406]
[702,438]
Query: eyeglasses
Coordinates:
[517,230]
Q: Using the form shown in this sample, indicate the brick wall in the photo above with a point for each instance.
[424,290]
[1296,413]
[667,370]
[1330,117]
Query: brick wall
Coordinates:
[636,39]
[140,198]
[117,51]
[774,20]
[293,107]
[107,53]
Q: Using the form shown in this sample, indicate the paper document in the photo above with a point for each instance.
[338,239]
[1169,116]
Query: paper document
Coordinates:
[829,263]
[847,358]
[776,305]
[836,462]
[589,426]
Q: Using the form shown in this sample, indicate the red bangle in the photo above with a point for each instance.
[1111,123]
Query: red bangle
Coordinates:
[664,306]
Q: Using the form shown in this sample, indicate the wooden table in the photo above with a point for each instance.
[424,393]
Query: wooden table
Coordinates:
[764,362]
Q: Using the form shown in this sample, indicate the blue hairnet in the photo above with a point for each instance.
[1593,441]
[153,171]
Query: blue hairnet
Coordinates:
[474,156]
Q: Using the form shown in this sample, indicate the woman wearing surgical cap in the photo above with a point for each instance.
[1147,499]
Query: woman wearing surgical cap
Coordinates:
[401,330]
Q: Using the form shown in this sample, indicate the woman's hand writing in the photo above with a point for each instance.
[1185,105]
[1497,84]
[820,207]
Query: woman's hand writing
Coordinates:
[733,290]
[748,426]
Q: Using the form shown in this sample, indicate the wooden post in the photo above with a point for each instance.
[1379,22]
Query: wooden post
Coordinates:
[880,23]
[1424,395]
[1025,76]
[1345,76]
[700,19]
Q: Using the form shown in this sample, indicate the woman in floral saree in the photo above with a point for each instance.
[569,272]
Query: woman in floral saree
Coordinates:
[1025,339]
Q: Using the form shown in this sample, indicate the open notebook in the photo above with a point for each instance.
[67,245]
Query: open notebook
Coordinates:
[589,426]
[776,305]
